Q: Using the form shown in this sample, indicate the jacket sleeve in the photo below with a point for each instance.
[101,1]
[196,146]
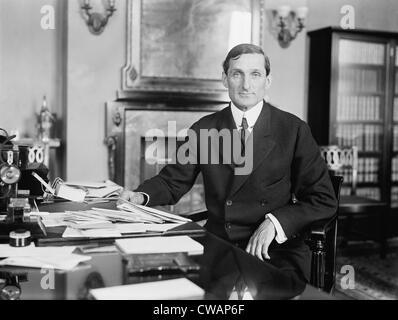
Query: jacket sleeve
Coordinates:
[311,185]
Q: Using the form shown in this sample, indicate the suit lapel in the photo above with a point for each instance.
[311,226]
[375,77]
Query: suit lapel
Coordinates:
[262,146]
[226,121]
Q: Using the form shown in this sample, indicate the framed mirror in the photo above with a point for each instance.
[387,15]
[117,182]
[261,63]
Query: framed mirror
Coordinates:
[179,45]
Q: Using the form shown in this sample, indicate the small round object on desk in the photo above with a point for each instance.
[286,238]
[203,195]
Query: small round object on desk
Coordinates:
[20,238]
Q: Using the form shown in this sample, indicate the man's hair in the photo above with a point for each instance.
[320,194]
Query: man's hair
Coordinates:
[245,48]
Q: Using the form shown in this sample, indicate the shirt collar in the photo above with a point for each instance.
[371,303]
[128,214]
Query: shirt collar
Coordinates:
[251,115]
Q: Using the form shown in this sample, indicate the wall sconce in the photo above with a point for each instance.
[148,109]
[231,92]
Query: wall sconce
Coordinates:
[289,23]
[96,22]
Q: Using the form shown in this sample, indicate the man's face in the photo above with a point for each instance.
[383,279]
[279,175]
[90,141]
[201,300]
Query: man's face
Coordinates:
[246,80]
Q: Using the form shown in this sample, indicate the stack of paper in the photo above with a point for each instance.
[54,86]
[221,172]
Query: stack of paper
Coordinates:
[106,223]
[151,213]
[159,245]
[116,230]
[174,289]
[95,190]
[61,258]
[126,216]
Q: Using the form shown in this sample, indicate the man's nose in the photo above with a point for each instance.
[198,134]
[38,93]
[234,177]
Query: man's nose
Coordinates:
[246,83]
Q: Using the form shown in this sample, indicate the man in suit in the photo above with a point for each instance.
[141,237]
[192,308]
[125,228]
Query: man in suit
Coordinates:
[254,210]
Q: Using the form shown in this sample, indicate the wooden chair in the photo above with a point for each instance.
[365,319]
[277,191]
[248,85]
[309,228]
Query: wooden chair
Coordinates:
[353,204]
[322,239]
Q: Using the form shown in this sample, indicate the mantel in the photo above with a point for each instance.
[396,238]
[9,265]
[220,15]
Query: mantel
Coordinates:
[174,98]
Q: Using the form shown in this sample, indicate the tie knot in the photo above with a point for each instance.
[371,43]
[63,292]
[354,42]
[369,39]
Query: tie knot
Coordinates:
[244,124]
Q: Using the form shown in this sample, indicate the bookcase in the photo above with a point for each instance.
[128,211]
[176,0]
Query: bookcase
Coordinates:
[353,100]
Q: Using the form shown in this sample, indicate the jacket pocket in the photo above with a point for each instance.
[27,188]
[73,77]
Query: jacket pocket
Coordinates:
[277,184]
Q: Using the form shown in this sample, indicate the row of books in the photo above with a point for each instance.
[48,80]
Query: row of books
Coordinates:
[396,83]
[358,108]
[362,177]
[394,169]
[394,196]
[396,58]
[371,177]
[395,138]
[370,192]
[361,52]
[365,137]
[395,113]
[368,164]
[362,80]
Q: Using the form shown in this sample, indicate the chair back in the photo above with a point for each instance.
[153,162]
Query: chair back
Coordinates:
[342,161]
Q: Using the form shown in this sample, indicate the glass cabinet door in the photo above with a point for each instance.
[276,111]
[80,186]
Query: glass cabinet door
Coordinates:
[360,110]
[394,163]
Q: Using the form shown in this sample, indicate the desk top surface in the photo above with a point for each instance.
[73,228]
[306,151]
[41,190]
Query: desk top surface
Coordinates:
[217,271]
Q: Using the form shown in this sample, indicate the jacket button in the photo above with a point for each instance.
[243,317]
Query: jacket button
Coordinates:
[229,203]
[228,225]
[263,203]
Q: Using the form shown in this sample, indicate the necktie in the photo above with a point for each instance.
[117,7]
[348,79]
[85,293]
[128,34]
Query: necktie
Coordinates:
[243,135]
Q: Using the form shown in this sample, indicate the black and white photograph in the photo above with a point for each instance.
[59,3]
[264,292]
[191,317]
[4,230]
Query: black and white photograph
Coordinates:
[224,152]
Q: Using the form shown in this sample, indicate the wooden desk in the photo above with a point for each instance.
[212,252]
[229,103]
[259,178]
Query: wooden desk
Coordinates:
[220,266]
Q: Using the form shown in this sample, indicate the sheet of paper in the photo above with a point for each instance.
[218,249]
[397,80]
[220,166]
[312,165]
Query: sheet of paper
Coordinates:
[91,233]
[91,184]
[32,251]
[97,189]
[159,245]
[175,289]
[104,192]
[87,184]
[54,219]
[126,216]
[150,212]
[54,222]
[70,193]
[62,262]
[39,213]
[47,215]
[96,249]
[164,214]
[91,225]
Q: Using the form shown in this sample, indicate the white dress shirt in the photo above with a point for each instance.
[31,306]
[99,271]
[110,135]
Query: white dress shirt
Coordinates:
[251,116]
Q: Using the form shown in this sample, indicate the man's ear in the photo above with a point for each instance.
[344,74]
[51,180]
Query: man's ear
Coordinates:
[268,81]
[224,80]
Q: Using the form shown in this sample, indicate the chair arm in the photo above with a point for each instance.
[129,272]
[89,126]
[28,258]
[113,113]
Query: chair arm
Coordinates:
[320,228]
[319,244]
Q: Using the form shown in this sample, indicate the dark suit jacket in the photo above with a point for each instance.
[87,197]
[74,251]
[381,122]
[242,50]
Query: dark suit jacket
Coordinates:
[286,161]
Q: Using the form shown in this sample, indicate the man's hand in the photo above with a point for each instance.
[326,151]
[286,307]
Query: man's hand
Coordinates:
[134,197]
[261,239]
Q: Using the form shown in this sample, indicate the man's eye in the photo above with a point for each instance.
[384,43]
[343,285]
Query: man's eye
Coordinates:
[236,74]
[256,74]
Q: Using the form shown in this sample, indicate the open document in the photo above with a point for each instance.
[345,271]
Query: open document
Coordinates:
[159,245]
[97,190]
[174,289]
[61,258]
